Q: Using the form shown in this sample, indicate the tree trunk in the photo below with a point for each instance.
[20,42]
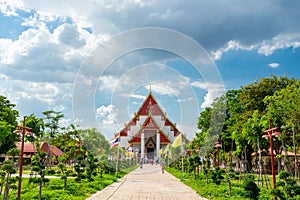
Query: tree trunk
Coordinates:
[259,159]
[41,186]
[2,182]
[245,161]
[278,164]
[285,156]
[295,153]
[65,184]
[229,186]
[40,191]
[6,189]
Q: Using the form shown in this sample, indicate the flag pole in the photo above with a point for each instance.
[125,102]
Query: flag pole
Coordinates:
[118,156]
[182,156]
[168,154]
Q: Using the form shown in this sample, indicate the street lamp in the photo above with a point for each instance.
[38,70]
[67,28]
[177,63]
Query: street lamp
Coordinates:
[218,145]
[269,135]
[21,130]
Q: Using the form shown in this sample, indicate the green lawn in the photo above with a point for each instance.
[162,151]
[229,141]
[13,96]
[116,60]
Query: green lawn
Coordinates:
[75,191]
[212,191]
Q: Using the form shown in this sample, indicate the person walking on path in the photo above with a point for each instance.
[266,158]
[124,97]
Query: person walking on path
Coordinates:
[162,164]
[141,163]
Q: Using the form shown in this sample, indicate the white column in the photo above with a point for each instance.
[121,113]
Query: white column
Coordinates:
[142,144]
[157,144]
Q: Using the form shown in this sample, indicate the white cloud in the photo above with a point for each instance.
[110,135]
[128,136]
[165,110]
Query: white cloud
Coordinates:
[40,64]
[213,91]
[274,65]
[108,83]
[230,46]
[107,114]
[36,97]
[135,96]
[162,89]
[265,47]
[185,100]
[10,7]
[281,41]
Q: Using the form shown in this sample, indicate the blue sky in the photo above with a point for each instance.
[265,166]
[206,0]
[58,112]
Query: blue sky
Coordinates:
[45,45]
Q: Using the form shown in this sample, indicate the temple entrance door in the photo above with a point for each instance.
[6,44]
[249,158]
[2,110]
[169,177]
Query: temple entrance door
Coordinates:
[150,153]
[150,145]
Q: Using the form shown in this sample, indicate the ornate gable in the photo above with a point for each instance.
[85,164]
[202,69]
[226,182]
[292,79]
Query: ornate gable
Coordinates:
[150,106]
[150,123]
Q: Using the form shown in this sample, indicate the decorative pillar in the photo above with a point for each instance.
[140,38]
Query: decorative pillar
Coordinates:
[157,144]
[142,144]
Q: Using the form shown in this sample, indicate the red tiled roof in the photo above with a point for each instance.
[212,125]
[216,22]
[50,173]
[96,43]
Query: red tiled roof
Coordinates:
[29,148]
[56,151]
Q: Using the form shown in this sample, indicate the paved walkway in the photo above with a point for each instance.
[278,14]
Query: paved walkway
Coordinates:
[147,183]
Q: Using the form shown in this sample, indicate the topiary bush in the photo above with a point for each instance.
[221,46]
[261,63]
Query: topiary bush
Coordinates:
[217,176]
[287,188]
[252,190]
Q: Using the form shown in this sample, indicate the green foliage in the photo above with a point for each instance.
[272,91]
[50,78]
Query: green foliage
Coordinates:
[92,140]
[91,166]
[248,111]
[286,188]
[210,191]
[8,122]
[217,176]
[52,121]
[9,169]
[77,167]
[38,165]
[75,191]
[206,169]
[249,185]
[37,128]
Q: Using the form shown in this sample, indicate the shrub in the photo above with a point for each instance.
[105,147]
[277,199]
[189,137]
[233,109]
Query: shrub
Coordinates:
[252,190]
[287,188]
[216,175]
[50,172]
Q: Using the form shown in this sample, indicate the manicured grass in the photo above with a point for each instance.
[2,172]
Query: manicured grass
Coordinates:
[217,192]
[75,190]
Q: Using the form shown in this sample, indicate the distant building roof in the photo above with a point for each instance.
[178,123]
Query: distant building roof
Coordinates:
[29,148]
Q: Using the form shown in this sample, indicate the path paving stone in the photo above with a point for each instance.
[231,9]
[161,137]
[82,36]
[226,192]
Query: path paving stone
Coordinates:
[147,183]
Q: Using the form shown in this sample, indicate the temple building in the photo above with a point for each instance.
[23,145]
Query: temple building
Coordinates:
[149,130]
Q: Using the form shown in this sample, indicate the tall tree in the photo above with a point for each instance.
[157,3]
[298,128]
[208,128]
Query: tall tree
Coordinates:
[52,122]
[284,107]
[37,126]
[93,140]
[252,98]
[8,121]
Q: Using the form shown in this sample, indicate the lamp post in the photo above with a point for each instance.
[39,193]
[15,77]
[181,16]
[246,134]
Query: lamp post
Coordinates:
[218,145]
[269,135]
[21,130]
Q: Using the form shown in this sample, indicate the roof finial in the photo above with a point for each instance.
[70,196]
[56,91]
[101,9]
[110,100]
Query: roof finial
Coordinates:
[150,89]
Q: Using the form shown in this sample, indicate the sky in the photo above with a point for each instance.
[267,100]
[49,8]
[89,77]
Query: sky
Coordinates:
[96,61]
